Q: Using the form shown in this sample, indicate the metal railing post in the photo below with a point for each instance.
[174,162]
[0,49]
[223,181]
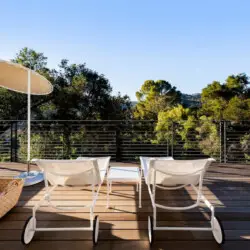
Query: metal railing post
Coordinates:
[118,143]
[225,141]
[11,141]
[167,147]
[221,141]
[172,141]
[16,143]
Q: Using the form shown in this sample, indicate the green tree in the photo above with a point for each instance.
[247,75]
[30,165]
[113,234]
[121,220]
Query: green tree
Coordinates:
[222,101]
[245,146]
[153,97]
[229,100]
[237,110]
[119,108]
[79,93]
[31,59]
[212,101]
[181,122]
[208,136]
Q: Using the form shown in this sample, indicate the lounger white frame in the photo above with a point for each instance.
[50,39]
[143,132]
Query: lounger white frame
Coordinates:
[30,226]
[150,179]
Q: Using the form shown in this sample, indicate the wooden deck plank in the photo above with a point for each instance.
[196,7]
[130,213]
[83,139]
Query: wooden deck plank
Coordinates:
[131,225]
[124,225]
[124,245]
[117,234]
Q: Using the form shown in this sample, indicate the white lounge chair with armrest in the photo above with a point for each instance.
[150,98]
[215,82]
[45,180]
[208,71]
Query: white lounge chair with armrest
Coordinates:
[145,163]
[68,173]
[103,163]
[176,174]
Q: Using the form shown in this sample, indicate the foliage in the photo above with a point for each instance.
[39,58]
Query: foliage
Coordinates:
[237,109]
[13,106]
[166,119]
[245,146]
[153,97]
[198,129]
[208,136]
[120,108]
[37,146]
[81,93]
[31,59]
[227,101]
[177,124]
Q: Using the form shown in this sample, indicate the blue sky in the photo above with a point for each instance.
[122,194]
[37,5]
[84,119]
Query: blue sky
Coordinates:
[189,43]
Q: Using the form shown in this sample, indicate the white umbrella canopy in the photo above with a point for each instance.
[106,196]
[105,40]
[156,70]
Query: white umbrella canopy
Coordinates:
[14,76]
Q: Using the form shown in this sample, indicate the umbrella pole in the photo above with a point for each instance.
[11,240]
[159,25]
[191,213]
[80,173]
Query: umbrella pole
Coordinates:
[28,121]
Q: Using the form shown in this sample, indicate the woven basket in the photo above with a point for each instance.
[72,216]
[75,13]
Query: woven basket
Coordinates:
[10,191]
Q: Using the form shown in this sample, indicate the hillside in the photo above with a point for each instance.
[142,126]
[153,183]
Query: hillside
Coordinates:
[191,100]
[186,99]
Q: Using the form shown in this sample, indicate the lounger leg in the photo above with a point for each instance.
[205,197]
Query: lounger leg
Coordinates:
[140,194]
[108,190]
[110,187]
[107,194]
[154,217]
[45,198]
[91,218]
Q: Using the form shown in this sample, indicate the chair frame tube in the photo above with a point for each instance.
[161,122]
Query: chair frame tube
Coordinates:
[46,198]
[200,197]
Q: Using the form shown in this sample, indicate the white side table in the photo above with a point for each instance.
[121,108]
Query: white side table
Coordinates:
[124,174]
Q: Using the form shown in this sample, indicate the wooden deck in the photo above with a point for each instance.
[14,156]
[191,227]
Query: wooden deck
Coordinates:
[124,225]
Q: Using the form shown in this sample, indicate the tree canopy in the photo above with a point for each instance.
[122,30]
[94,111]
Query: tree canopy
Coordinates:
[79,93]
[155,96]
[227,101]
[31,59]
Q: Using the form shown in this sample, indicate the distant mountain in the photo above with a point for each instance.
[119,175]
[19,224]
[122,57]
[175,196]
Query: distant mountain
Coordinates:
[191,101]
[133,103]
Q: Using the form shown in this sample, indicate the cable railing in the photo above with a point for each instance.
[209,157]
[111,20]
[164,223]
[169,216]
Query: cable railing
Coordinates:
[125,140]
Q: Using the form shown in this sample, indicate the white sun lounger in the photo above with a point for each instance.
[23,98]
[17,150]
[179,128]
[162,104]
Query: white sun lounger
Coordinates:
[169,174]
[79,172]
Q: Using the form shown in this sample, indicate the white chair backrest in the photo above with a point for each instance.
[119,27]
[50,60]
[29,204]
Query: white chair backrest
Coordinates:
[103,162]
[70,172]
[145,163]
[177,172]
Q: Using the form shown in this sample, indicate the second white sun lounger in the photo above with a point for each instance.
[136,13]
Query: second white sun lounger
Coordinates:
[170,174]
[68,173]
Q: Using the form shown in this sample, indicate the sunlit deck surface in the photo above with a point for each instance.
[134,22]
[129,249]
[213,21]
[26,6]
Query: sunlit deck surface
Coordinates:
[124,225]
